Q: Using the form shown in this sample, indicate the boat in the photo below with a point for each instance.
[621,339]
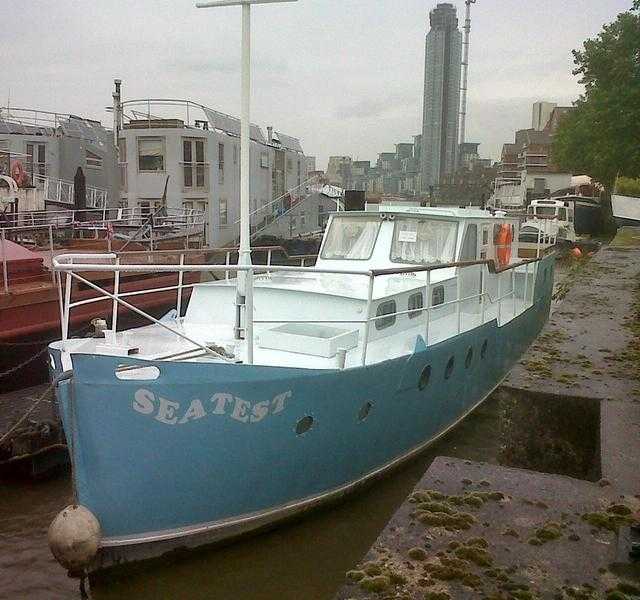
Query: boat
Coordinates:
[548,223]
[279,389]
[584,194]
[29,297]
[509,195]
[626,210]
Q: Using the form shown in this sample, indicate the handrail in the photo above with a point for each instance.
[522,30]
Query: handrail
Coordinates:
[491,264]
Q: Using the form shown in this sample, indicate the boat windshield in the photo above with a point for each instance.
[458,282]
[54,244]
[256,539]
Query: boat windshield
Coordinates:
[351,238]
[545,211]
[424,241]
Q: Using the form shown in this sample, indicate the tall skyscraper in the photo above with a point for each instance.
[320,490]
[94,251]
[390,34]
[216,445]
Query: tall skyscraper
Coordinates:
[443,58]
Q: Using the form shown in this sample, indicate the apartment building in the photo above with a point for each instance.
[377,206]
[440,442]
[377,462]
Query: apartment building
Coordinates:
[191,159]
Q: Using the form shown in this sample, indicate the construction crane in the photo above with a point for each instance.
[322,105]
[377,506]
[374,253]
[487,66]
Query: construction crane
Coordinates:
[465,72]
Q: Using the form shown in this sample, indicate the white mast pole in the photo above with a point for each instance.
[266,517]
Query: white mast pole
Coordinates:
[244,257]
[465,72]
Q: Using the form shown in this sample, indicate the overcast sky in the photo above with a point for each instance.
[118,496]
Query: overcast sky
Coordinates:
[345,76]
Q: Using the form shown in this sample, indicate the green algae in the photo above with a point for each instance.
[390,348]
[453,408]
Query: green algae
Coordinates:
[356,575]
[379,583]
[476,555]
[417,554]
[606,520]
[549,532]
[451,522]
[372,568]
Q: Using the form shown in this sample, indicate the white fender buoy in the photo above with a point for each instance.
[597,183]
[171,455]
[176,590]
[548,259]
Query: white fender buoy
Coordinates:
[74,537]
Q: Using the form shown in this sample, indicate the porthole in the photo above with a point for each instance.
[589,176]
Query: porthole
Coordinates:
[469,358]
[386,308]
[450,366]
[425,376]
[304,425]
[365,411]
[483,350]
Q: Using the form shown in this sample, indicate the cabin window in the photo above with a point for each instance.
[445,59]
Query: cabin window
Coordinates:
[437,296]
[351,238]
[223,214]
[416,304]
[562,214]
[424,241]
[94,161]
[470,244]
[386,308]
[150,154]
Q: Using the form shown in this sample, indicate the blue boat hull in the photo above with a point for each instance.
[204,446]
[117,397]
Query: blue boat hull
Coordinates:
[210,451]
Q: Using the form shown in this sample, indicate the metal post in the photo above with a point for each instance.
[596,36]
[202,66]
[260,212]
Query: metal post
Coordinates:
[5,275]
[244,258]
[513,290]
[499,298]
[53,277]
[67,309]
[248,317]
[428,301]
[180,281]
[367,325]
[526,285]
[116,291]
[227,262]
[459,299]
[483,293]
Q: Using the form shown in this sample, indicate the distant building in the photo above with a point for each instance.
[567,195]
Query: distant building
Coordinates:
[527,163]
[339,171]
[310,162]
[443,57]
[540,114]
[49,147]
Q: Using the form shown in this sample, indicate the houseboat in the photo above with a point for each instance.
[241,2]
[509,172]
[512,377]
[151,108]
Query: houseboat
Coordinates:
[285,388]
[548,223]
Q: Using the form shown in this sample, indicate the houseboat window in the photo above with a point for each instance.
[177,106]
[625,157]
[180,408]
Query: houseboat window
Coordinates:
[437,296]
[470,244]
[415,303]
[351,238]
[150,154]
[386,308]
[562,214]
[424,241]
[546,211]
[223,216]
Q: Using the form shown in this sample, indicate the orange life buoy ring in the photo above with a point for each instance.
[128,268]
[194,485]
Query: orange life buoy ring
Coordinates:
[503,242]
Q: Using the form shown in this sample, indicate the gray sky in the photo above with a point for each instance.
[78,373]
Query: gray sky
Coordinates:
[345,76]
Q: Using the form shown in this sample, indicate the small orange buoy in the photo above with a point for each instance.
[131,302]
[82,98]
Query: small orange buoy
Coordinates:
[576,252]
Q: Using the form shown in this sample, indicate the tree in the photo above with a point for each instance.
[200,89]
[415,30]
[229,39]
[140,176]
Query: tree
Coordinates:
[601,136]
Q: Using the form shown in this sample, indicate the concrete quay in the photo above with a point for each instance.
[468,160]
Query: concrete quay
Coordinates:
[560,528]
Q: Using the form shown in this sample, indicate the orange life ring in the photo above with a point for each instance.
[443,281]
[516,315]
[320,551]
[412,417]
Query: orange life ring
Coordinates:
[503,242]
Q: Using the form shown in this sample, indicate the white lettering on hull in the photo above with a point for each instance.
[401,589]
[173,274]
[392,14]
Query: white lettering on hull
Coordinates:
[169,412]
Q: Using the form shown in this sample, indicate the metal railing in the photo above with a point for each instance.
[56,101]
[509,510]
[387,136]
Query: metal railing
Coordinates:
[487,272]
[62,192]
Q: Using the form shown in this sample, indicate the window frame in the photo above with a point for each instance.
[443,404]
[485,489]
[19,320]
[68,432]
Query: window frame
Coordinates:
[163,142]
[389,321]
[333,220]
[421,218]
[416,311]
[221,202]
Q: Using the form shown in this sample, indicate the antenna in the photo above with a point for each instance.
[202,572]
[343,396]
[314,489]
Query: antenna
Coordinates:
[465,72]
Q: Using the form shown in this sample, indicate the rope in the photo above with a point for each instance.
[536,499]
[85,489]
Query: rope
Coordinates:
[23,364]
[23,418]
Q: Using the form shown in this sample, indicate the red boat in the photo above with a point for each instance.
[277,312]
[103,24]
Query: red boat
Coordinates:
[30,305]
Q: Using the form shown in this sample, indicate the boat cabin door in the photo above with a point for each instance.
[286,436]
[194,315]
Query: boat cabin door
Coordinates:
[471,277]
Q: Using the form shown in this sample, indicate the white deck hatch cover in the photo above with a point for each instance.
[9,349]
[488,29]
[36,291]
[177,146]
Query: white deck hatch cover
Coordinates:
[308,338]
